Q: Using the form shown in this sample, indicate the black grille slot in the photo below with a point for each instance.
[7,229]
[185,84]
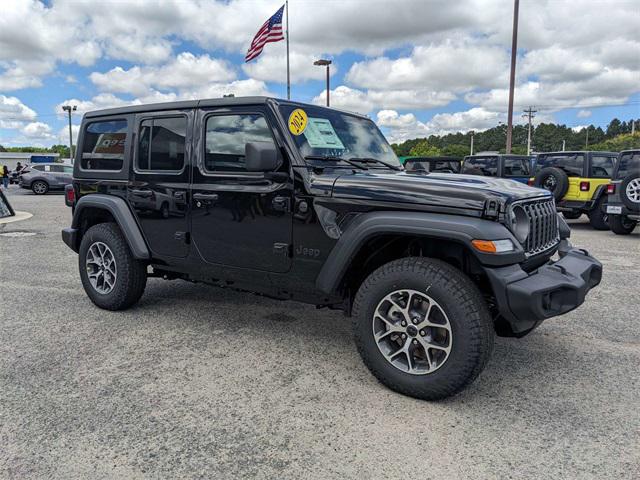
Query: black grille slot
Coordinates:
[543,226]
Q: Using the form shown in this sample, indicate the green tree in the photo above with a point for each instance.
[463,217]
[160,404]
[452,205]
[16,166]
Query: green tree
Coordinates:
[626,141]
[2,149]
[456,150]
[424,149]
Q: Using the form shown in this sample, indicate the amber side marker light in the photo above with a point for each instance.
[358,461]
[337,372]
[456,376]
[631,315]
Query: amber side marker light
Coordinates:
[493,246]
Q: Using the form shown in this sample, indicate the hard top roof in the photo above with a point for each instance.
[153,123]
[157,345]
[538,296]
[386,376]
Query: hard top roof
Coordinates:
[574,152]
[208,102]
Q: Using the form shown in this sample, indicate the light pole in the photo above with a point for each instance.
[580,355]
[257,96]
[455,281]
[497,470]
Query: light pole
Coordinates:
[324,63]
[69,109]
[472,134]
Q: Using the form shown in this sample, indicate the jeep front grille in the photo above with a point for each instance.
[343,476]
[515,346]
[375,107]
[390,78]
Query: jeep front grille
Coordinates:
[543,226]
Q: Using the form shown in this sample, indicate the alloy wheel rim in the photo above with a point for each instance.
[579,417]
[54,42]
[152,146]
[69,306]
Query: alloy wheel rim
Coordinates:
[101,268]
[412,332]
[633,190]
[39,187]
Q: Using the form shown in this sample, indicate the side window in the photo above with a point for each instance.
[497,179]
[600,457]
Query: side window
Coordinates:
[103,145]
[38,167]
[67,169]
[516,167]
[601,166]
[226,136]
[56,168]
[161,144]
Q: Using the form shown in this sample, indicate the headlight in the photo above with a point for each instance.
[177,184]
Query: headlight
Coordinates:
[519,223]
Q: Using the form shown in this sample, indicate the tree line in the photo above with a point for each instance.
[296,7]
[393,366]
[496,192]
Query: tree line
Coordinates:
[545,137]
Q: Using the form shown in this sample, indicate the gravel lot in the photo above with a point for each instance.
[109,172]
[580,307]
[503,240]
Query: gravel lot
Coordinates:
[199,382]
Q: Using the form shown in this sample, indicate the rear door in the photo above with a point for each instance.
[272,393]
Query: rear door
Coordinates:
[159,191]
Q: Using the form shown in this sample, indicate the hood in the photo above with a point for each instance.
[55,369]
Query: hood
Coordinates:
[437,189]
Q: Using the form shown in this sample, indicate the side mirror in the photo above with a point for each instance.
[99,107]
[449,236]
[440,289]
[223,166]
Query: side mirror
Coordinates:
[261,157]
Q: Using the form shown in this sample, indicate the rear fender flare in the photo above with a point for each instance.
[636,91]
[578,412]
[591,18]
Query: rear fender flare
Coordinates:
[123,217]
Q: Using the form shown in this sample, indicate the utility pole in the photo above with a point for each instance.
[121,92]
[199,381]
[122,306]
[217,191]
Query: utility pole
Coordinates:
[633,126]
[512,79]
[529,113]
[472,134]
[563,145]
[69,109]
[586,143]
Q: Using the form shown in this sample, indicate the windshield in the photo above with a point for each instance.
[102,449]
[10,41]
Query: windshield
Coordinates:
[324,132]
[629,163]
[573,165]
[487,165]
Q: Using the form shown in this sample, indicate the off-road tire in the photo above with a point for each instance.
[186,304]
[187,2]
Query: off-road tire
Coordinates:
[558,176]
[597,216]
[471,326]
[131,273]
[621,225]
[574,215]
[39,191]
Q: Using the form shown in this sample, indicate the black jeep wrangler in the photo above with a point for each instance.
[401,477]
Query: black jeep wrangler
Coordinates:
[623,199]
[308,203]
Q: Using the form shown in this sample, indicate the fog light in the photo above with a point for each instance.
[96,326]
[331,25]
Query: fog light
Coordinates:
[494,246]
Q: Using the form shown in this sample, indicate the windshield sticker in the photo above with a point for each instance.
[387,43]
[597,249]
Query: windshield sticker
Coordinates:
[297,121]
[321,134]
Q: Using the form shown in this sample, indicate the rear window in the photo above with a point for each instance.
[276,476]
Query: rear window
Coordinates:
[103,145]
[601,166]
[517,167]
[572,165]
[629,163]
[487,165]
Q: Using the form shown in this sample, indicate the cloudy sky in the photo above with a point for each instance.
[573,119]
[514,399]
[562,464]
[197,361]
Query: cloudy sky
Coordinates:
[417,67]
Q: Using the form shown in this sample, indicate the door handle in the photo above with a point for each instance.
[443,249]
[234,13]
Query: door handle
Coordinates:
[142,193]
[206,197]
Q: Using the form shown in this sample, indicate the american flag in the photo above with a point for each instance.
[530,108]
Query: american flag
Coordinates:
[271,31]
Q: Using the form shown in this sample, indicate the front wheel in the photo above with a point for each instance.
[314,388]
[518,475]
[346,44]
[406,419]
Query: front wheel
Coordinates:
[422,327]
[621,225]
[111,277]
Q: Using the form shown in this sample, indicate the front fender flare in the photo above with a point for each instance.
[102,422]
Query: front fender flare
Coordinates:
[123,217]
[456,228]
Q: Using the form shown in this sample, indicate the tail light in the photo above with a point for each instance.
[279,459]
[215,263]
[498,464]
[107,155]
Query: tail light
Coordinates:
[611,188]
[530,182]
[69,195]
[585,186]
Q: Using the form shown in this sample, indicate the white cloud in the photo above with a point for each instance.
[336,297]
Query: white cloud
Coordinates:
[37,131]
[14,113]
[184,71]
[272,67]
[403,127]
[584,114]
[63,134]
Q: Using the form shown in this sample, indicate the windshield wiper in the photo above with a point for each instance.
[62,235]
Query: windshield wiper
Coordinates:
[374,160]
[334,158]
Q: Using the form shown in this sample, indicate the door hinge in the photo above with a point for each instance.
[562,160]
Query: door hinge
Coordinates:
[282,249]
[182,237]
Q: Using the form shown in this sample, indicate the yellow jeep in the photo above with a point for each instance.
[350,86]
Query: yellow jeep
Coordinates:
[578,181]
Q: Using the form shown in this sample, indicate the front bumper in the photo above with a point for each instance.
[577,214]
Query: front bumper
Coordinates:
[526,299]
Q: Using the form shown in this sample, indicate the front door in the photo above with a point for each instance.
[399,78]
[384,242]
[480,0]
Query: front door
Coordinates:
[159,191]
[239,218]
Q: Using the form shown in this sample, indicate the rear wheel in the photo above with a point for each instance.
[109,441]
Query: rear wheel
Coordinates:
[597,217]
[422,327]
[111,277]
[39,187]
[621,225]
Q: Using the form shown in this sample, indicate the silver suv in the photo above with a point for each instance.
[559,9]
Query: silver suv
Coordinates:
[42,177]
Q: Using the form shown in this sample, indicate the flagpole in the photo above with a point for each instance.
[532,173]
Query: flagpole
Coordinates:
[288,71]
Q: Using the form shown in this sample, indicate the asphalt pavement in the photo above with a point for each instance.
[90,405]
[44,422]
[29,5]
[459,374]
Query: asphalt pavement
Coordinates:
[200,382]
